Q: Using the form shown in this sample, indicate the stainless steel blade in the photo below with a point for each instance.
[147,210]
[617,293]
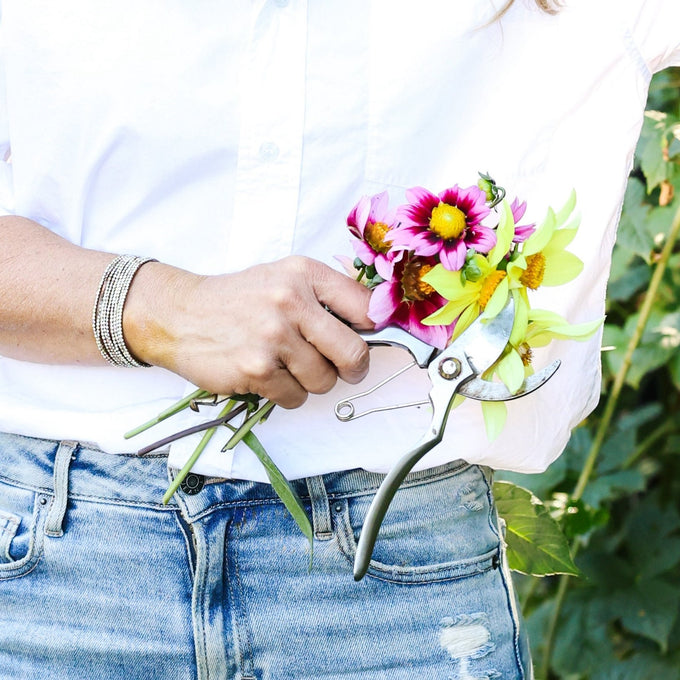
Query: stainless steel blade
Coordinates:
[484,390]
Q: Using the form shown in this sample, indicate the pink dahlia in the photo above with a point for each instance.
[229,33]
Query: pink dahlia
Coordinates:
[522,231]
[405,300]
[372,223]
[445,225]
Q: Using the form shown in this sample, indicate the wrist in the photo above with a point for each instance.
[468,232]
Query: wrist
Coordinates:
[156,299]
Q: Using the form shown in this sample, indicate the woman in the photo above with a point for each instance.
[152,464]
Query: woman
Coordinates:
[228,143]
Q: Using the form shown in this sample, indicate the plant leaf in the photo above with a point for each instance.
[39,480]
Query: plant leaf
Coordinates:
[282,486]
[535,542]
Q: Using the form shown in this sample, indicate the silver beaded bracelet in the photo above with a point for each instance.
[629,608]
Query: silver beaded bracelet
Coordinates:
[107,314]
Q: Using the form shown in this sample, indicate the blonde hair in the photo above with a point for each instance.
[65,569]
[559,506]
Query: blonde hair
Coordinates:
[549,6]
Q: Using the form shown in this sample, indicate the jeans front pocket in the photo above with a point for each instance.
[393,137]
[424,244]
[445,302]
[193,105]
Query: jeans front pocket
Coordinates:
[22,529]
[436,529]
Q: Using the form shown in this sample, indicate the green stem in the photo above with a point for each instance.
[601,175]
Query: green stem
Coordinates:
[170,411]
[620,378]
[665,428]
[603,427]
[207,436]
[249,424]
[554,620]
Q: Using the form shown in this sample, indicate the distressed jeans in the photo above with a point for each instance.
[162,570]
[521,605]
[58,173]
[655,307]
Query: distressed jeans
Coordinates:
[98,579]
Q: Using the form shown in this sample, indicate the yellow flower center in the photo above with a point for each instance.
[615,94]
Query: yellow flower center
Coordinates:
[533,274]
[447,221]
[375,234]
[525,353]
[489,286]
[412,282]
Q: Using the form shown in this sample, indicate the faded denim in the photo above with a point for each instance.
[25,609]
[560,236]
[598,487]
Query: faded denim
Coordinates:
[99,580]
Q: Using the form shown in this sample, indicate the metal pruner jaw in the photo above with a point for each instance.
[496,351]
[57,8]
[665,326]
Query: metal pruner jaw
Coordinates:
[485,390]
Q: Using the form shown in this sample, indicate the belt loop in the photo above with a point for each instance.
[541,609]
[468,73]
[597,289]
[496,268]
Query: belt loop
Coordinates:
[321,512]
[54,525]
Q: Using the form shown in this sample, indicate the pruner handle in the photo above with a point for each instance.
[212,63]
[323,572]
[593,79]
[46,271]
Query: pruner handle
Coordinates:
[396,337]
[381,502]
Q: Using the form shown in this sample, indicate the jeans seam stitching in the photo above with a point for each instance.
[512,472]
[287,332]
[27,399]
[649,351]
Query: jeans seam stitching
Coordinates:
[509,590]
[36,550]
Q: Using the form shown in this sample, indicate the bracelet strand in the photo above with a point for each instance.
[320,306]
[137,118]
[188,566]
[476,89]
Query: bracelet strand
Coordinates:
[107,314]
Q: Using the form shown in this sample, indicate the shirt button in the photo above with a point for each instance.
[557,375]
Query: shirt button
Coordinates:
[268,151]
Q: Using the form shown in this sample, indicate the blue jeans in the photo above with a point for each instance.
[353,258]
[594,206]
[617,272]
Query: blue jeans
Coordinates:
[99,580]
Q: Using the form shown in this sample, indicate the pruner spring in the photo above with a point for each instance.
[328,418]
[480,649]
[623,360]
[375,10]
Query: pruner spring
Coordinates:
[345,409]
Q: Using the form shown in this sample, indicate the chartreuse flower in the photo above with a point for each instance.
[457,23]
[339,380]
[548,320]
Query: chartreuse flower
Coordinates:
[532,328]
[543,260]
[538,329]
[481,287]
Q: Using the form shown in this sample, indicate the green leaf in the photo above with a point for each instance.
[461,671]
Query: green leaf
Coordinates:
[583,644]
[540,485]
[674,368]
[633,234]
[535,542]
[612,486]
[580,519]
[650,149]
[659,526]
[282,486]
[623,439]
[635,278]
[650,608]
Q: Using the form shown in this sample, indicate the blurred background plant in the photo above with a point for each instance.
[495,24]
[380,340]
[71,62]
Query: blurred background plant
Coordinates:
[616,489]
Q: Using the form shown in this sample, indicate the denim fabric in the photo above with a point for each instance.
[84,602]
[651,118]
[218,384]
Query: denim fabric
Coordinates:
[99,580]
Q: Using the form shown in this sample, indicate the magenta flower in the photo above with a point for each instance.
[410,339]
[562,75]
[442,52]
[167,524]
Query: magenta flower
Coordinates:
[522,231]
[371,222]
[445,225]
[405,300]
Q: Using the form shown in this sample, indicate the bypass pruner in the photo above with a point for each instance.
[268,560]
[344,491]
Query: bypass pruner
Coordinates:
[454,370]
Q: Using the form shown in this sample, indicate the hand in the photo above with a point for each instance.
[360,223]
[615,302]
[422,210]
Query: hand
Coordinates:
[263,330]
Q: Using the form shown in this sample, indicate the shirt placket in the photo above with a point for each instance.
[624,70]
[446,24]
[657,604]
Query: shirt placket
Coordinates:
[270,145]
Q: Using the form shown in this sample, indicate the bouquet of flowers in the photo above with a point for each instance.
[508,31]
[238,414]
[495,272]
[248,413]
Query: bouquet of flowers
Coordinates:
[434,264]
[439,261]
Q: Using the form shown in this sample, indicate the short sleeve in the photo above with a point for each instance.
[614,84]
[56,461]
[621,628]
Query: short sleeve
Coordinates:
[655,28]
[6,179]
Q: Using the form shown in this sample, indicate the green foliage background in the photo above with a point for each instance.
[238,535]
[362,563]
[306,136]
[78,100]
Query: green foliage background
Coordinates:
[616,490]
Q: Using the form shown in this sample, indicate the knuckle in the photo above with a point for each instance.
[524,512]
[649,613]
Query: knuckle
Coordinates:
[296,401]
[284,296]
[325,382]
[257,369]
[358,356]
[274,332]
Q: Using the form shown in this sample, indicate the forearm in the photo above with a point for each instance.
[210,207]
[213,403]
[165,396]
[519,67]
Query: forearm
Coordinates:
[47,289]
[262,330]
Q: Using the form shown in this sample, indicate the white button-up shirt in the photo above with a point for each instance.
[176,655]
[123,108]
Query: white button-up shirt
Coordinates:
[216,135]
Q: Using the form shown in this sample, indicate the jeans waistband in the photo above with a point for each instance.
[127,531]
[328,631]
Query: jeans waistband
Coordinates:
[38,464]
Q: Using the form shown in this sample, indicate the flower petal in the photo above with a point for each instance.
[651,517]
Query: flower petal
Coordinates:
[383,303]
[511,371]
[561,268]
[452,256]
[379,207]
[385,266]
[364,252]
[504,235]
[541,237]
[497,300]
[495,414]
